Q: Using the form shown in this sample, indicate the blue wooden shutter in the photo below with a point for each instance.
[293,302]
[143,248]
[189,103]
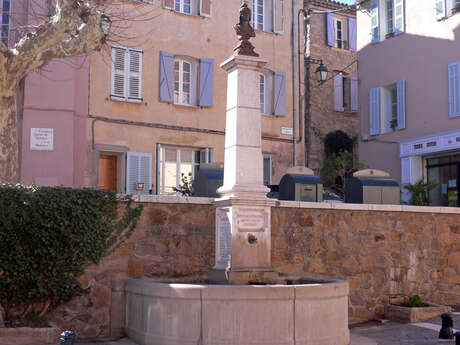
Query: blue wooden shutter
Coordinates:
[338,92]
[352,33]
[279,93]
[138,169]
[206,82]
[330,31]
[374,10]
[166,77]
[354,94]
[440,9]
[268,16]
[454,89]
[374,111]
[401,104]
[398,16]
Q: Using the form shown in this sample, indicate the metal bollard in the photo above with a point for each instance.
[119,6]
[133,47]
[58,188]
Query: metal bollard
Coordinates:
[457,338]
[67,338]
[447,328]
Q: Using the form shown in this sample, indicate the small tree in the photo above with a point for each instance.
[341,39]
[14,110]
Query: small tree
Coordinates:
[337,169]
[420,192]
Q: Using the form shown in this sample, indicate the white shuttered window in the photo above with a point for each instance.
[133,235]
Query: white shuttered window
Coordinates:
[126,74]
[138,173]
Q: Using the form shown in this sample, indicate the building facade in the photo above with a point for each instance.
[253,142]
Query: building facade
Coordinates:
[157,99]
[409,91]
[333,105]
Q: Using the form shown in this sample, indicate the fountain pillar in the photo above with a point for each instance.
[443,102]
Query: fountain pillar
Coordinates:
[243,213]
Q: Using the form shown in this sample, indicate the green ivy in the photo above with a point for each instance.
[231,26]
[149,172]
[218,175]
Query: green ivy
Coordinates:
[49,235]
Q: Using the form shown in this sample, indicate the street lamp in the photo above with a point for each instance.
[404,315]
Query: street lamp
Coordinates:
[321,72]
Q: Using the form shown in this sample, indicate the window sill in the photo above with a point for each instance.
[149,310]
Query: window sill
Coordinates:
[347,112]
[269,32]
[343,49]
[393,35]
[184,13]
[186,105]
[272,116]
[120,99]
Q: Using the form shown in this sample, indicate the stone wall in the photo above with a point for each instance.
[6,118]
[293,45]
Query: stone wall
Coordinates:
[385,252]
[324,119]
[173,239]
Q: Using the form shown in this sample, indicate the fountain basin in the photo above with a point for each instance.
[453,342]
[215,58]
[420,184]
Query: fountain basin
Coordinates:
[314,313]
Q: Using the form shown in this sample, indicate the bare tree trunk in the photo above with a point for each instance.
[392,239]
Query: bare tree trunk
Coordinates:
[9,149]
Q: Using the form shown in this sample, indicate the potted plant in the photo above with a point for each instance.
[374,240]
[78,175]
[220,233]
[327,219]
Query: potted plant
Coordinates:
[414,310]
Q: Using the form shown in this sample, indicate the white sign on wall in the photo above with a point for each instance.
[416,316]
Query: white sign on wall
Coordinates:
[41,139]
[286,130]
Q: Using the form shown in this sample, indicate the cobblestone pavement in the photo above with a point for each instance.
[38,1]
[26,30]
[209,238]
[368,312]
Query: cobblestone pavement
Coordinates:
[395,333]
[373,333]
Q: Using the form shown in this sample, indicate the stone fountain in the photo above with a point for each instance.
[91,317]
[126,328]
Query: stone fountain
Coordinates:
[246,301]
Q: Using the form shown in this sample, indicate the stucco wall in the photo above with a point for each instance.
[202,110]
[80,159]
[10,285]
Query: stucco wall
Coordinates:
[197,37]
[385,252]
[56,97]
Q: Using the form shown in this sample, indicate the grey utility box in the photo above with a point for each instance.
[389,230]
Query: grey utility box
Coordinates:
[301,188]
[209,178]
[372,186]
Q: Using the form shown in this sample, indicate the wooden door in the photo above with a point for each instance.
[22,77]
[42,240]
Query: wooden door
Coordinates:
[107,178]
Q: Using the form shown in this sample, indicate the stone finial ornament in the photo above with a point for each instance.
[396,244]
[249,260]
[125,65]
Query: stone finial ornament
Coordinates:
[245,31]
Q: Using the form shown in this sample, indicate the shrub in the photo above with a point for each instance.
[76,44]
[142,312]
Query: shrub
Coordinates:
[420,192]
[48,236]
[414,302]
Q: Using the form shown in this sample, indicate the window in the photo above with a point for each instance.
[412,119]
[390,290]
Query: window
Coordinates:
[341,31]
[138,173]
[387,19]
[262,93]
[445,8]
[267,166]
[272,92]
[340,42]
[173,162]
[267,15]
[258,14]
[182,82]
[183,6]
[185,80]
[126,74]
[387,108]
[4,20]
[345,93]
[192,7]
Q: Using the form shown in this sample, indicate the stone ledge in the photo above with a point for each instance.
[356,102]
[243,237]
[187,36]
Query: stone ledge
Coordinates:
[172,199]
[367,207]
[29,336]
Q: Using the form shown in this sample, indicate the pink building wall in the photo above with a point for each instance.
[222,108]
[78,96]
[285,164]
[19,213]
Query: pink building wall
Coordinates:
[56,97]
[420,56]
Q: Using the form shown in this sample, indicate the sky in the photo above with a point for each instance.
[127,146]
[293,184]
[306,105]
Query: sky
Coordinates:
[347,1]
